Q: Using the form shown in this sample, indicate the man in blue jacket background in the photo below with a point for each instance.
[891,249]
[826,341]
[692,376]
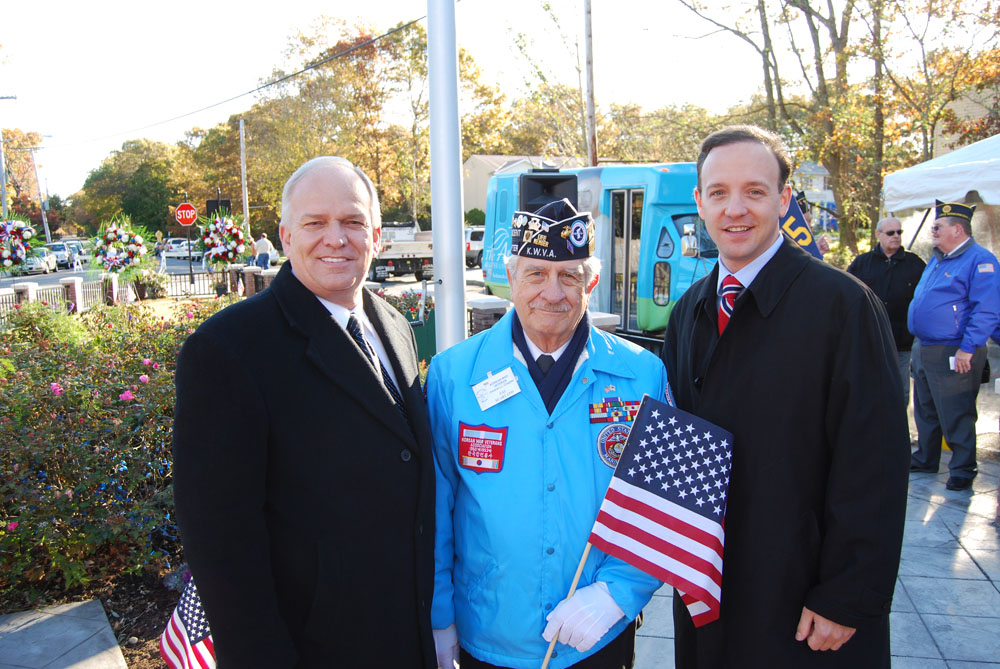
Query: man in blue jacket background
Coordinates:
[954,310]
[529,419]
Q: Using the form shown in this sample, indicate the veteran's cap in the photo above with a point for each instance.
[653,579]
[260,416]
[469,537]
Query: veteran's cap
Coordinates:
[800,197]
[955,209]
[555,231]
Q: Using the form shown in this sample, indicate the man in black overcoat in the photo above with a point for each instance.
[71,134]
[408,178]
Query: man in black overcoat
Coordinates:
[303,481]
[796,359]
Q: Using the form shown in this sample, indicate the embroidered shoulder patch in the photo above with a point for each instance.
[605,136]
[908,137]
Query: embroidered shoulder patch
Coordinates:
[985,268]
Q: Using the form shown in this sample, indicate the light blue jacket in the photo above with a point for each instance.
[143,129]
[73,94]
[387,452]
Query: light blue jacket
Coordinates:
[957,302]
[509,539]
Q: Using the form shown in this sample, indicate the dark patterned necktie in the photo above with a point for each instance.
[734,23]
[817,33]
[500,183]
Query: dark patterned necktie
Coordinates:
[731,289]
[545,362]
[354,328]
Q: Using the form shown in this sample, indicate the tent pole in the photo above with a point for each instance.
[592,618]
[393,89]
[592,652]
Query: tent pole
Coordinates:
[922,221]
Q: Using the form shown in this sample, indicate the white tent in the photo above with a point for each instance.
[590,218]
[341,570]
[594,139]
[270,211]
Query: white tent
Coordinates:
[948,178]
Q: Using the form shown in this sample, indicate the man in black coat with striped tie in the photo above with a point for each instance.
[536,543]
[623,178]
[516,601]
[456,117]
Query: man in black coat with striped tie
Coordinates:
[303,474]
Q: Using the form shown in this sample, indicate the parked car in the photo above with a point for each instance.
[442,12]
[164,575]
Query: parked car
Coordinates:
[474,246]
[62,252]
[77,251]
[177,247]
[42,263]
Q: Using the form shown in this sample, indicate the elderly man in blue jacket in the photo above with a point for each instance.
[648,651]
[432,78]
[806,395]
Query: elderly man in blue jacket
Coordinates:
[529,419]
[955,308]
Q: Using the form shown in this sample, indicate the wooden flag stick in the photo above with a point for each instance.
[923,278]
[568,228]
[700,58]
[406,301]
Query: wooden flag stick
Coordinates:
[572,589]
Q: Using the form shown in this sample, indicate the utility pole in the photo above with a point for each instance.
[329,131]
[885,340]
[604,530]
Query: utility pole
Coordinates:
[243,179]
[41,203]
[588,41]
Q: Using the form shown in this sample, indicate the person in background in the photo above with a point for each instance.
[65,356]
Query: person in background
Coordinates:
[263,248]
[892,273]
[529,418]
[304,484]
[794,358]
[955,308]
[822,243]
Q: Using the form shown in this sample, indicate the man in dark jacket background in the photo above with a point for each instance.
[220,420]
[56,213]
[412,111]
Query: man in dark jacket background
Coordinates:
[892,273]
[795,358]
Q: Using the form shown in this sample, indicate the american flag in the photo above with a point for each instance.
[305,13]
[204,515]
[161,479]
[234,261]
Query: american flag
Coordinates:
[187,641]
[664,509]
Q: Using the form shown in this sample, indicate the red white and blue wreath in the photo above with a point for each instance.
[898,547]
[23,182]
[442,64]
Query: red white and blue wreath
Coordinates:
[223,239]
[118,247]
[14,242]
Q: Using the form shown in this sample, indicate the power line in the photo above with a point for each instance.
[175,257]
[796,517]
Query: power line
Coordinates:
[277,81]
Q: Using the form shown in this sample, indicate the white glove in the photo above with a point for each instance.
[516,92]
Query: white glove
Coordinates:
[446,647]
[584,618]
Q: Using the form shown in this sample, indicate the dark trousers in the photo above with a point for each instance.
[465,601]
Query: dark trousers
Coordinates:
[944,403]
[619,654]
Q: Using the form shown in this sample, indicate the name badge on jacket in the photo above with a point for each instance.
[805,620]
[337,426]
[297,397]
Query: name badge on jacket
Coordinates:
[496,388]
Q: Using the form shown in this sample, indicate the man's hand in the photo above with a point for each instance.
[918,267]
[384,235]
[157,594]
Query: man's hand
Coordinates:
[446,647]
[822,245]
[963,361]
[584,618]
[821,633]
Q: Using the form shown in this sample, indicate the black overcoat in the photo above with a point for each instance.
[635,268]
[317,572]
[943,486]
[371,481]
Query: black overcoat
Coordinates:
[805,377]
[305,501]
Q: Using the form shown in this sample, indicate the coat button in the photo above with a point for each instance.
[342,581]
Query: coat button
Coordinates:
[697,382]
[549,425]
[420,529]
[550,550]
[551,487]
[548,607]
[405,455]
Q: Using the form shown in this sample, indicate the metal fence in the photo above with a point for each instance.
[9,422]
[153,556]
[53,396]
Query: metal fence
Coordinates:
[7,301]
[180,285]
[93,295]
[54,296]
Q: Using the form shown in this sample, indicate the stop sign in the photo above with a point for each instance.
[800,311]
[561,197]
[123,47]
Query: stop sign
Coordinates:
[186,214]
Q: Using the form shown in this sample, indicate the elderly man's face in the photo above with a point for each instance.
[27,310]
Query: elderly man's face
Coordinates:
[947,233]
[890,237]
[550,298]
[329,236]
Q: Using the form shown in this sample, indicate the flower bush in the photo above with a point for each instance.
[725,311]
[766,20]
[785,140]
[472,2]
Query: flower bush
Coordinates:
[223,239]
[86,413]
[15,244]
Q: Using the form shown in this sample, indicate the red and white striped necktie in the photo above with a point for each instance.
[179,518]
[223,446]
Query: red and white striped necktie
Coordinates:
[731,289]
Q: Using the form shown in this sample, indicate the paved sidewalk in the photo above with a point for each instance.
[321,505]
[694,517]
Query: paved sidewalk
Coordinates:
[58,637]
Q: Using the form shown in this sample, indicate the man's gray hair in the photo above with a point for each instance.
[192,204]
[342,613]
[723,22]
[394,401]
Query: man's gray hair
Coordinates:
[375,214]
[887,219]
[591,266]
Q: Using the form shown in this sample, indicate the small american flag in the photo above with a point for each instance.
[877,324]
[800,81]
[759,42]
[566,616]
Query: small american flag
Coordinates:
[664,509]
[187,641]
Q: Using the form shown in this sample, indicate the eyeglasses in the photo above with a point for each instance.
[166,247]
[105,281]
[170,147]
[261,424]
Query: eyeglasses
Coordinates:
[891,233]
[938,226]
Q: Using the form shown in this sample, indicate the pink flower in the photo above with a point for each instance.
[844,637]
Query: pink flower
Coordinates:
[11,526]
[56,388]
[143,378]
[156,365]
[126,396]
[189,314]
[147,362]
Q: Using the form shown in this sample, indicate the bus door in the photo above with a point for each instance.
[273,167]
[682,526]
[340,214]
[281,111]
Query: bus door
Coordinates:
[626,224]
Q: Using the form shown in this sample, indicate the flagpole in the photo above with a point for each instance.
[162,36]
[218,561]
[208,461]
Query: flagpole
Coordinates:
[572,589]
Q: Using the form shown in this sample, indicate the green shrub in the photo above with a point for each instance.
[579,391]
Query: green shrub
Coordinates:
[86,413]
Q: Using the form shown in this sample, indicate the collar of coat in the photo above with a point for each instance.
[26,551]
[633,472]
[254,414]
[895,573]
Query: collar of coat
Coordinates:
[601,351]
[940,255]
[770,284]
[328,341]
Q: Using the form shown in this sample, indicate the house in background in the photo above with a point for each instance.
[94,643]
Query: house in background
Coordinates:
[478,169]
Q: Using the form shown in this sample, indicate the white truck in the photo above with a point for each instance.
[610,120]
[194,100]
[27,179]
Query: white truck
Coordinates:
[406,249]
